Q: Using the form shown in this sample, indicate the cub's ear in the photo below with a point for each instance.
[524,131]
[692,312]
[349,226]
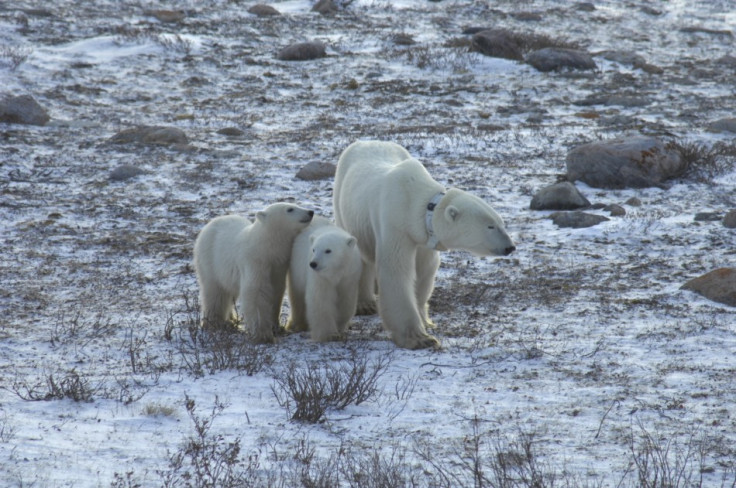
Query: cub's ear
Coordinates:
[352,241]
[452,213]
[261,216]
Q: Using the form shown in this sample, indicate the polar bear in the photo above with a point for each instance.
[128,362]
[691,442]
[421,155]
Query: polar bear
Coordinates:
[323,280]
[236,258]
[402,218]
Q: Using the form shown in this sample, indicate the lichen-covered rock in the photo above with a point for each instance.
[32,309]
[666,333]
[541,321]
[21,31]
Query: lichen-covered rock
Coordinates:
[22,109]
[719,286]
[560,196]
[634,162]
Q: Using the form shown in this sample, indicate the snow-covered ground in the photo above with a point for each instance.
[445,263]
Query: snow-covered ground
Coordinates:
[581,340]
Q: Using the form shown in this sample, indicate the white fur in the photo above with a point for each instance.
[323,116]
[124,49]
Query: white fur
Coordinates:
[323,281]
[381,196]
[236,258]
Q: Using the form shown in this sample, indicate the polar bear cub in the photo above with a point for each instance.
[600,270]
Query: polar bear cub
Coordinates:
[323,280]
[235,258]
[402,217]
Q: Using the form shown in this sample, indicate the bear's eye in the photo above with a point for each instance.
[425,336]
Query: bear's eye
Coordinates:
[290,210]
[491,227]
[328,251]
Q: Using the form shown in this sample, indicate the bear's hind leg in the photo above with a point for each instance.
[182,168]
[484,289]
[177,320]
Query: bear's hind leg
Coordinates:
[297,311]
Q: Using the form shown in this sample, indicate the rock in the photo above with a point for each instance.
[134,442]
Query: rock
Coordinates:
[497,43]
[527,16]
[635,162]
[729,221]
[577,219]
[585,7]
[230,132]
[125,172]
[262,10]
[167,16]
[719,286]
[723,125]
[560,196]
[557,59]
[316,171]
[302,51]
[707,217]
[151,135]
[615,210]
[325,7]
[633,202]
[22,109]
[616,100]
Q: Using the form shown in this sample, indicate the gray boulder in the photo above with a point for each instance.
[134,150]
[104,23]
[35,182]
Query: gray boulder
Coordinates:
[496,43]
[558,59]
[22,109]
[719,286]
[317,171]
[262,10]
[723,125]
[560,196]
[577,219]
[302,51]
[729,221]
[634,162]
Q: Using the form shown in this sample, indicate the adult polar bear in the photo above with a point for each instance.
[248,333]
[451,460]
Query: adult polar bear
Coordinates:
[402,218]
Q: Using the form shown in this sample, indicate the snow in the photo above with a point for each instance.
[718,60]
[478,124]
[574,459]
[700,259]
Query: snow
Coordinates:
[580,337]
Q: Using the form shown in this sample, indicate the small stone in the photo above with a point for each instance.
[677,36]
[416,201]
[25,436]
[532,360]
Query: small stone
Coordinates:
[577,219]
[325,7]
[707,217]
[151,135]
[719,286]
[723,125]
[317,171]
[125,172]
[729,221]
[167,16]
[22,109]
[302,51]
[615,210]
[557,59]
[633,202]
[230,132]
[262,10]
[560,196]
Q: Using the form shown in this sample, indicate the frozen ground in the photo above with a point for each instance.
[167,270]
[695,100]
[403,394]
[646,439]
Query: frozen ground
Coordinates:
[580,341]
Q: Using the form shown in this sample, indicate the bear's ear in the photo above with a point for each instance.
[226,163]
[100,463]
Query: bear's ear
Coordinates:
[452,213]
[352,241]
[261,216]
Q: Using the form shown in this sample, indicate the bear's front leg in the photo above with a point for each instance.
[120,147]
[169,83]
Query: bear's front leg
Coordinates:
[321,298]
[427,263]
[399,310]
[257,305]
[367,290]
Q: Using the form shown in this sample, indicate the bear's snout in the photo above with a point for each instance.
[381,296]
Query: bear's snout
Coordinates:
[509,250]
[313,265]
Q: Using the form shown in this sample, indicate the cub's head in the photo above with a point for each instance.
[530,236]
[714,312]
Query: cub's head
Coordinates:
[331,251]
[464,221]
[285,217]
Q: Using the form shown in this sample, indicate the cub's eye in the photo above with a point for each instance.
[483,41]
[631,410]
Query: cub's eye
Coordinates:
[328,251]
[491,227]
[290,210]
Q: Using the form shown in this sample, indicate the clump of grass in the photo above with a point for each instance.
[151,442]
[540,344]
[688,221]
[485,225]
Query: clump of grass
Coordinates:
[309,390]
[704,162]
[207,459]
[14,56]
[53,386]
[209,350]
